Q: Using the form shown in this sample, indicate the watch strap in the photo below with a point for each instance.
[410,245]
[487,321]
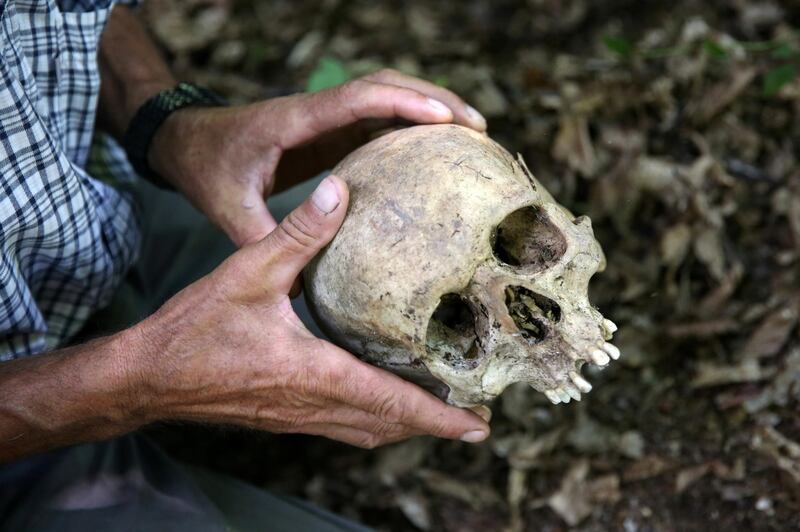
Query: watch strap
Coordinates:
[149,117]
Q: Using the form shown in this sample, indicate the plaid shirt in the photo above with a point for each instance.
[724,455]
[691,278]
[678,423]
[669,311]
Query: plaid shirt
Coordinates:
[66,238]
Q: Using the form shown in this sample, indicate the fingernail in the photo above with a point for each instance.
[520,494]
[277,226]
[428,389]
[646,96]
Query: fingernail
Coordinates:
[325,196]
[476,117]
[474,436]
[439,107]
[483,411]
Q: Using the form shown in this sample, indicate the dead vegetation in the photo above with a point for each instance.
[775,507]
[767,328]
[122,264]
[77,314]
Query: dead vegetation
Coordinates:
[674,125]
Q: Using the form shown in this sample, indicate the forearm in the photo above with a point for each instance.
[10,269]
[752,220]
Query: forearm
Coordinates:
[69,396]
[131,70]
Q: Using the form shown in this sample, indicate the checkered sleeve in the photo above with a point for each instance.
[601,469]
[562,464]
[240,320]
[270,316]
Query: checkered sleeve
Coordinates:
[66,239]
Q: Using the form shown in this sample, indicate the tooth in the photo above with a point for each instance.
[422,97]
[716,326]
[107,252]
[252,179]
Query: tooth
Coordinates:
[600,357]
[612,350]
[553,396]
[610,325]
[582,384]
[563,395]
[572,391]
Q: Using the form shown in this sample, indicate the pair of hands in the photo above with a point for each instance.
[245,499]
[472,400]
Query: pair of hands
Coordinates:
[229,348]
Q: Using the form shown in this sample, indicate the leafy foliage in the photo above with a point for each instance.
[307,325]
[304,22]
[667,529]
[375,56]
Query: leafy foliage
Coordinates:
[329,72]
[715,50]
[619,45]
[777,78]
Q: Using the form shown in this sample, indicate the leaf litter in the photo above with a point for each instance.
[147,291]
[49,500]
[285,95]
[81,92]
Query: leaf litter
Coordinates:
[675,127]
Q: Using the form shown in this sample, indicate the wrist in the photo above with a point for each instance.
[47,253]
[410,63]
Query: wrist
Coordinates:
[149,120]
[165,155]
[83,393]
[125,373]
[137,93]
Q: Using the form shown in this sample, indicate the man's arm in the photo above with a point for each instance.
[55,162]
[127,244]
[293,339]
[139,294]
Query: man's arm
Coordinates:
[68,396]
[226,161]
[132,70]
[227,349]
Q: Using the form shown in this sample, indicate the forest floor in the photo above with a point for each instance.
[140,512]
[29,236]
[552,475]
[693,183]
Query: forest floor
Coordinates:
[675,126]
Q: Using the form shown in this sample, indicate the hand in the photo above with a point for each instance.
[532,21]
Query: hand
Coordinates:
[229,349]
[228,160]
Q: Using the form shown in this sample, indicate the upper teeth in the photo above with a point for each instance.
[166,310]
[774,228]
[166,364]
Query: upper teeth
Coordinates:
[612,350]
[553,396]
[582,384]
[600,357]
[572,391]
[567,391]
[563,395]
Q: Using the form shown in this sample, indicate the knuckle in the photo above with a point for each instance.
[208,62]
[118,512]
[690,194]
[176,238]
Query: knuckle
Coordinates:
[339,384]
[371,441]
[352,89]
[441,428]
[384,74]
[297,233]
[305,380]
[390,409]
[383,429]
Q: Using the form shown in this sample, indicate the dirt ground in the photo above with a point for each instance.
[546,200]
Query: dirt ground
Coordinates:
[673,124]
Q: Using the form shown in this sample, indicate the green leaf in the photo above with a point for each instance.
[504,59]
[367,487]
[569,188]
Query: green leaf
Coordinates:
[714,49]
[619,45]
[777,78]
[442,81]
[257,52]
[329,72]
[784,51]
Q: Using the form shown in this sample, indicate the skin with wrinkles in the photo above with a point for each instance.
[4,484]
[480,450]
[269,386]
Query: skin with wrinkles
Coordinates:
[456,269]
[228,348]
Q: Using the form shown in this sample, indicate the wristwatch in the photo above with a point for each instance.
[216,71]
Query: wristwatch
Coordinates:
[152,114]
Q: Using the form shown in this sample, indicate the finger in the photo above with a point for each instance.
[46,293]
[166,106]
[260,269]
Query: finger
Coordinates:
[252,222]
[302,234]
[350,435]
[303,162]
[366,421]
[360,100]
[464,113]
[396,401]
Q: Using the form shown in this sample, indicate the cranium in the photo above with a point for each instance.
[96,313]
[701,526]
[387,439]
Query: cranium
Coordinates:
[456,269]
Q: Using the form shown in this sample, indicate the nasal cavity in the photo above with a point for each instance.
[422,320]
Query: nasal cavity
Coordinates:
[533,313]
[527,238]
[451,333]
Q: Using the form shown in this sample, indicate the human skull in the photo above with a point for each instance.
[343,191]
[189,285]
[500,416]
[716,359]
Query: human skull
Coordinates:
[456,269]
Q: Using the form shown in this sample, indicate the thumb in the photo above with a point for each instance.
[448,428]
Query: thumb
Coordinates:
[303,233]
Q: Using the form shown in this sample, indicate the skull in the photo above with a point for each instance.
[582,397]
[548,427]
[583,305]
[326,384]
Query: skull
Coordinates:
[456,269]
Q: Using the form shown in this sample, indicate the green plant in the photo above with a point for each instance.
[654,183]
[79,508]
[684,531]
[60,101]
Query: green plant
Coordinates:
[777,78]
[785,50]
[329,72]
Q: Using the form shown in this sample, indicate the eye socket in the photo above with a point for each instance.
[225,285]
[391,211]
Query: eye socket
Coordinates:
[451,333]
[527,238]
[531,312]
